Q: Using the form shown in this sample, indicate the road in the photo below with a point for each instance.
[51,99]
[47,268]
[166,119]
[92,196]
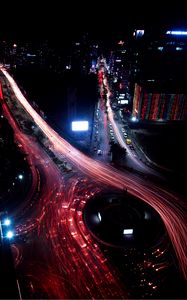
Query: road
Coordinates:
[51,223]
[100,137]
[132,160]
[59,225]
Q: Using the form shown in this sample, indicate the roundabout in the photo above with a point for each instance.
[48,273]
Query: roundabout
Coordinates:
[122,220]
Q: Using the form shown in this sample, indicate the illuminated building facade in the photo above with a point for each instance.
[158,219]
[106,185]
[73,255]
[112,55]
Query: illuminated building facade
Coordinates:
[158,106]
[158,78]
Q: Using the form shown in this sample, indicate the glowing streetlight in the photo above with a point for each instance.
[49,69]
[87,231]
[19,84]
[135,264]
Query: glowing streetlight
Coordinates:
[9,234]
[6,231]
[7,222]
[134,119]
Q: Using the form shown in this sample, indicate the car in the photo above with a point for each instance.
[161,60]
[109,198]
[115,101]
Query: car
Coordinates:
[128,141]
[99,152]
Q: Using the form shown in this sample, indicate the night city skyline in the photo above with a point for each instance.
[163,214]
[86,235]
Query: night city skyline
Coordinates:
[93,165]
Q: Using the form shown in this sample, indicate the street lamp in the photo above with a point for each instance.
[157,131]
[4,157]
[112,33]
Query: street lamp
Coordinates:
[20,176]
[6,223]
[9,234]
[134,119]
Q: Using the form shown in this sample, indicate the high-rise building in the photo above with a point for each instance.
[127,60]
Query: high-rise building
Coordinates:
[159,61]
[155,106]
[84,54]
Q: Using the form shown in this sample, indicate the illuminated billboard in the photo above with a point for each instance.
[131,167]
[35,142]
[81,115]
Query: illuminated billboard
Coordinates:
[128,231]
[125,101]
[79,125]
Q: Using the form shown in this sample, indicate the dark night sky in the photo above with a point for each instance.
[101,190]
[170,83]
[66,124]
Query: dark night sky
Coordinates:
[104,19]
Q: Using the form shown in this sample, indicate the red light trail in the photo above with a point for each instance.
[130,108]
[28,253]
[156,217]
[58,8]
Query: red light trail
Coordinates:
[1,92]
[58,217]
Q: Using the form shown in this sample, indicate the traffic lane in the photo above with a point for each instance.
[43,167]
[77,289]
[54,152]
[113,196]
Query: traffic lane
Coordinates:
[108,176]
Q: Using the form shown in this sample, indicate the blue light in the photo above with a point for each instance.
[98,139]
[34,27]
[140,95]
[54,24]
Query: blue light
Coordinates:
[134,119]
[9,234]
[160,48]
[175,32]
[7,222]
[179,48]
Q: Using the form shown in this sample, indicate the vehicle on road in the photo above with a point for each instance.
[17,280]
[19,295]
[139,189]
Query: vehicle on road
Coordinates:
[128,141]
[131,147]
[99,152]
